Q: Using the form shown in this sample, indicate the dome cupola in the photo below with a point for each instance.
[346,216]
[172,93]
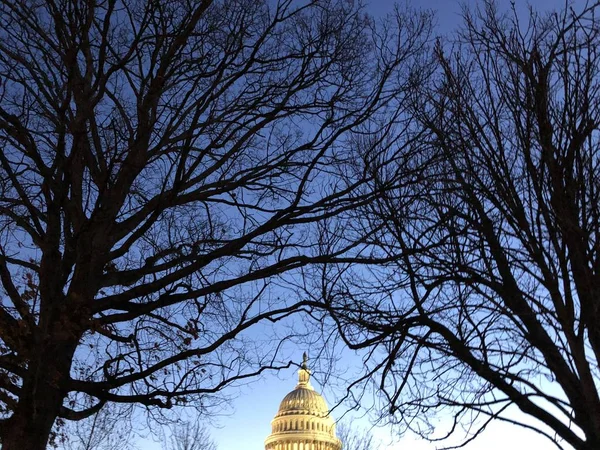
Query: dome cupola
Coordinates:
[303,421]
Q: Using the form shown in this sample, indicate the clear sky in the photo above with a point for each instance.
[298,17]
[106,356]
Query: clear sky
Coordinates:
[248,423]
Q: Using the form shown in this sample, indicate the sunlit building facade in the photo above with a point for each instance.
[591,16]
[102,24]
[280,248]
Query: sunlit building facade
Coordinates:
[303,421]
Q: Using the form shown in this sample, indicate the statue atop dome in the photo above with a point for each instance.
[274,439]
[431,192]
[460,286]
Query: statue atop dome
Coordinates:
[304,374]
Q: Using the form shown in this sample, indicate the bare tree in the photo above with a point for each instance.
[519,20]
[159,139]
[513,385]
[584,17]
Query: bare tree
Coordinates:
[108,429]
[490,304]
[189,436]
[354,438]
[160,162]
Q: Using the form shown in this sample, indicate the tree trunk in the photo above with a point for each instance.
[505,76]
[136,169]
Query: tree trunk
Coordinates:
[30,426]
[42,397]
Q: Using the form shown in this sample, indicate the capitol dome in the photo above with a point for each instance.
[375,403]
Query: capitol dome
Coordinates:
[303,401]
[303,421]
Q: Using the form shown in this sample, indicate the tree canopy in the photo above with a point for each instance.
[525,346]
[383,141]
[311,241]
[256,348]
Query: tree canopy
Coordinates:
[160,163]
[490,302]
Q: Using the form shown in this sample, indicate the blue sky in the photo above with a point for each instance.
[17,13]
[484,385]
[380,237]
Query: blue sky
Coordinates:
[248,422]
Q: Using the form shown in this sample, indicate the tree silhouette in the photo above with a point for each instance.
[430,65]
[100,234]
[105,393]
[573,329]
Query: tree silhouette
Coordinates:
[111,428]
[161,162]
[490,304]
[191,437]
[354,438]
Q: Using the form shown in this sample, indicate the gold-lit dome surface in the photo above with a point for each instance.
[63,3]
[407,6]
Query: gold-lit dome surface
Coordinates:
[303,421]
[303,400]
